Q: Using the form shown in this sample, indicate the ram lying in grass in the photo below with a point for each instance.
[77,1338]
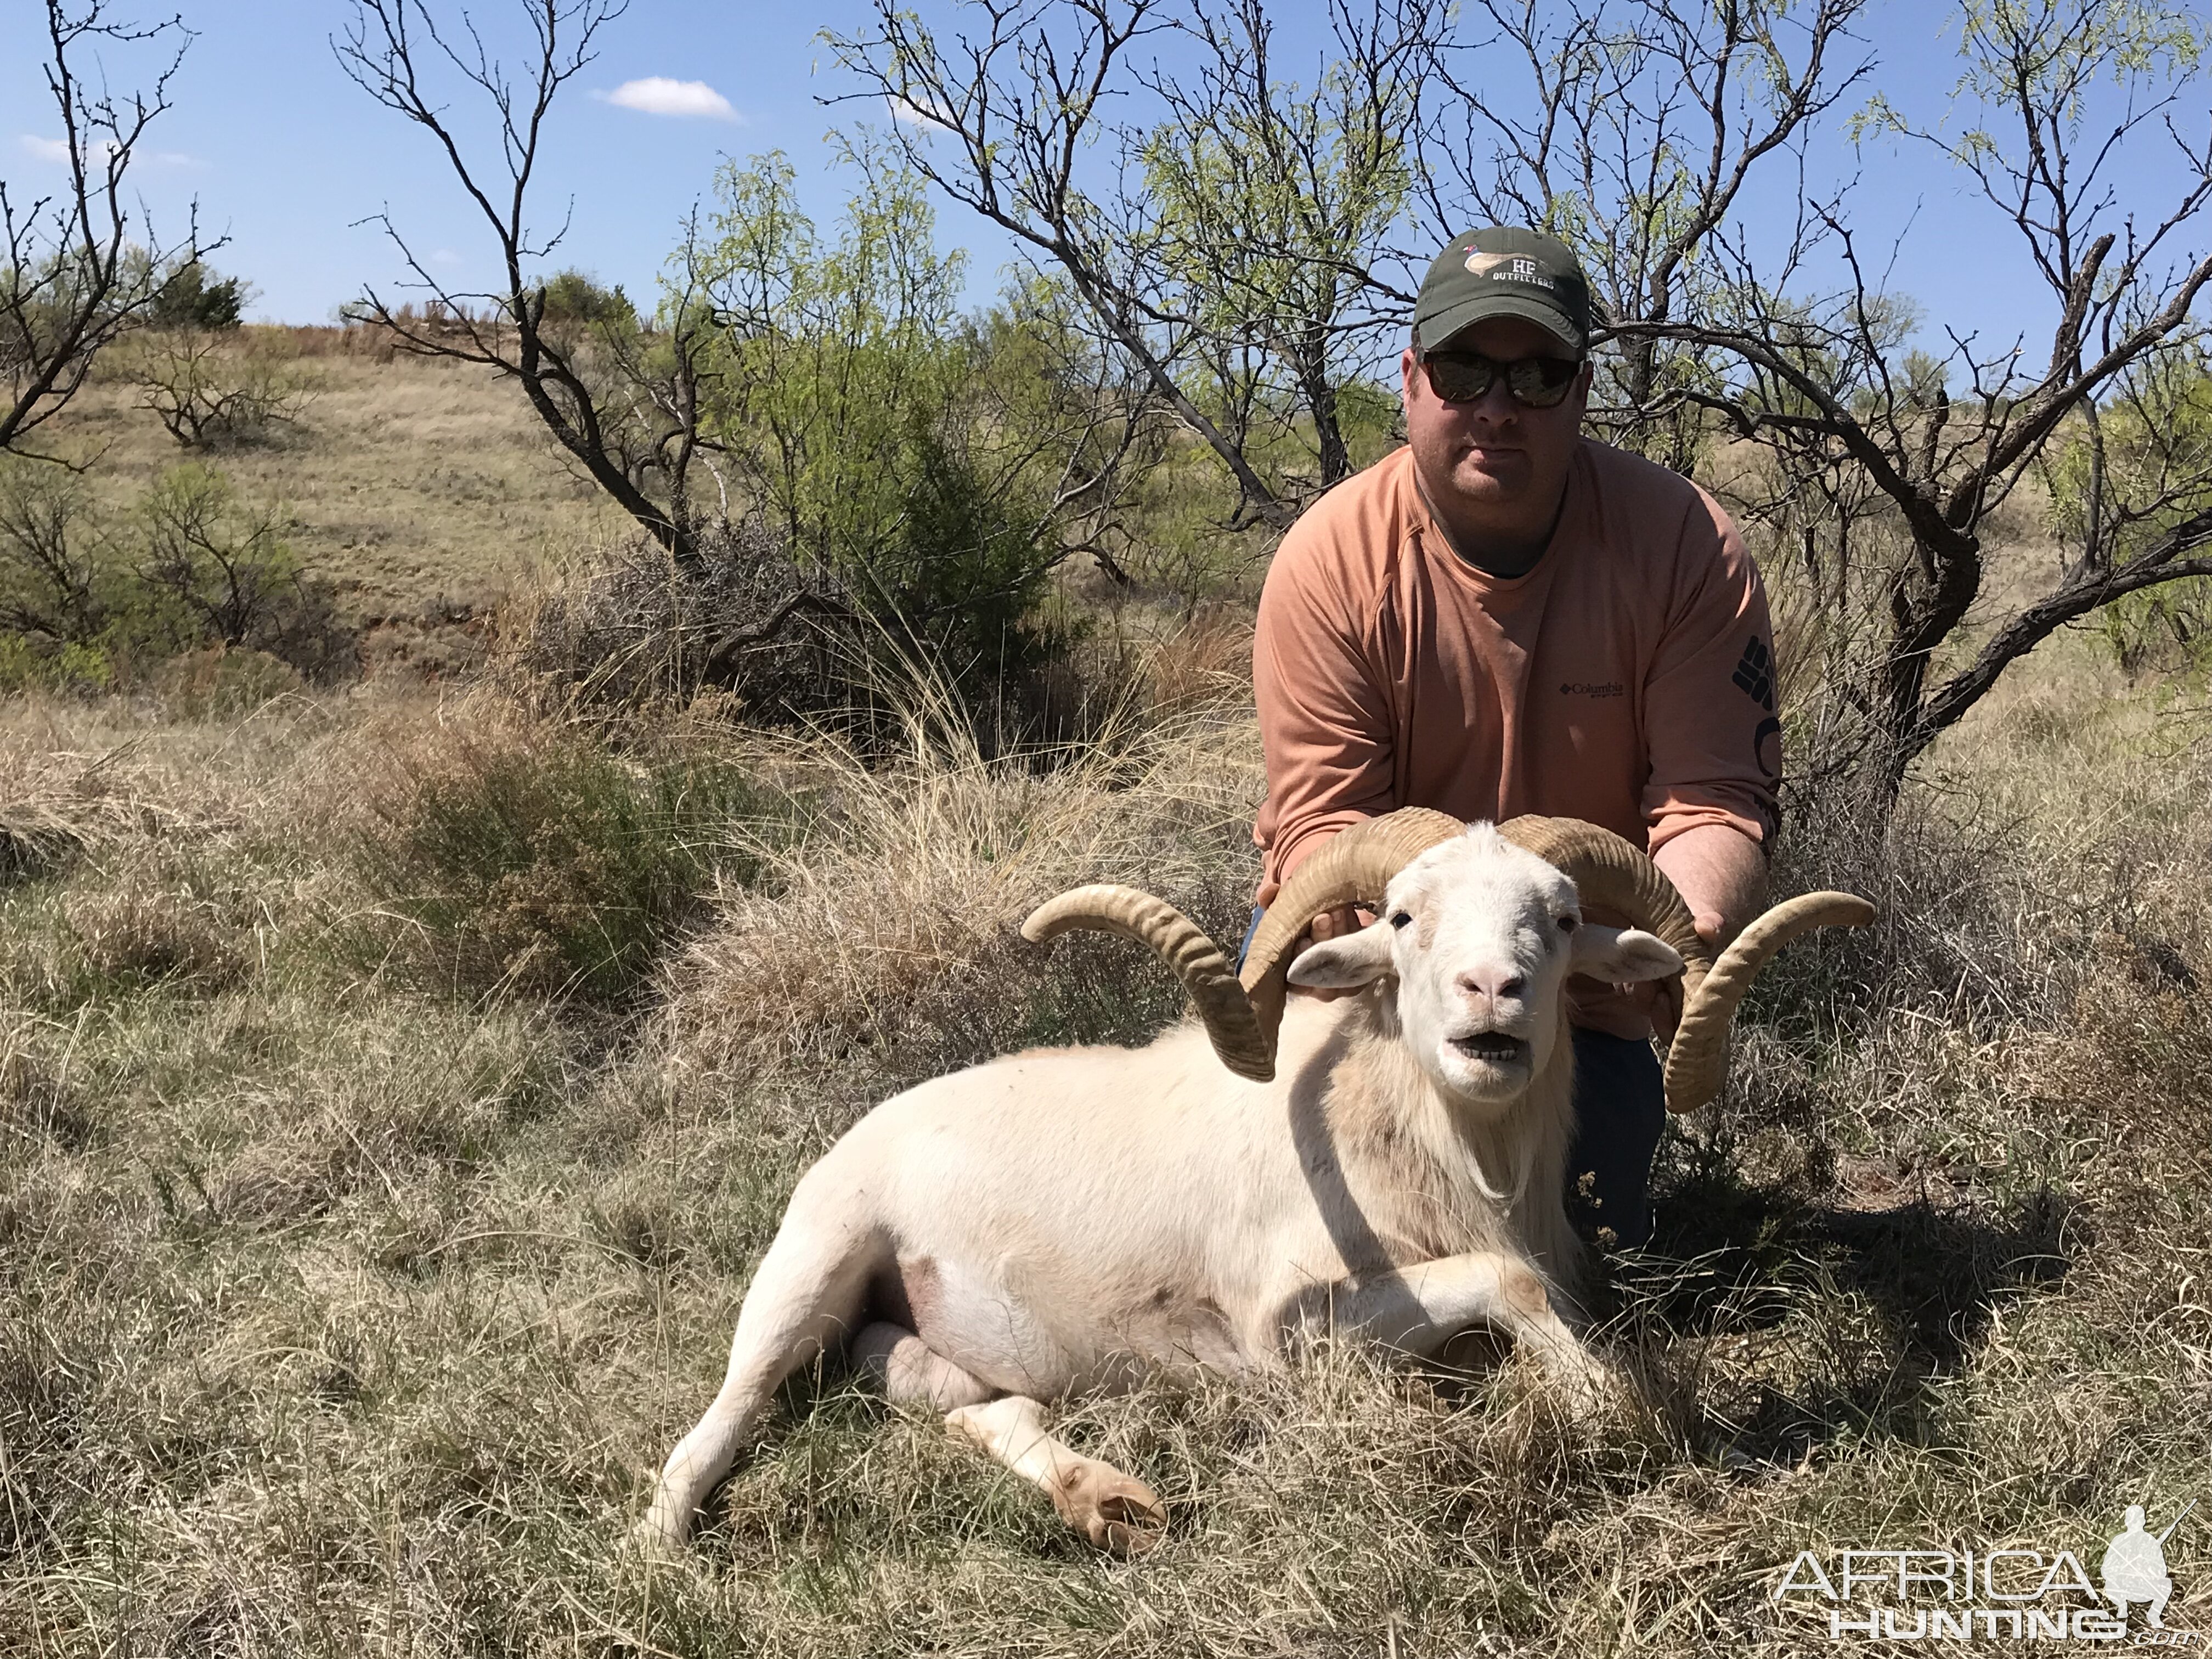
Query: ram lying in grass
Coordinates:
[1066,1219]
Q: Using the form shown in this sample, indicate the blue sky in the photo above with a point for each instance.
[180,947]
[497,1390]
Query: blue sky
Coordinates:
[285,154]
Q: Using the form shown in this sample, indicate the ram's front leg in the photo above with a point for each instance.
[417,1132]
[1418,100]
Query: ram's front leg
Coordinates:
[1418,1309]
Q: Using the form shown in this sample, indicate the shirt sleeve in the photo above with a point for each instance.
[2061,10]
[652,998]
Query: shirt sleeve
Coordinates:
[1713,736]
[1325,720]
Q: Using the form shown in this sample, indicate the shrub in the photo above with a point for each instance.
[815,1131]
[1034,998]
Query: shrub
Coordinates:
[869,423]
[194,297]
[87,594]
[2167,629]
[222,566]
[963,572]
[513,858]
[58,554]
[208,389]
[572,296]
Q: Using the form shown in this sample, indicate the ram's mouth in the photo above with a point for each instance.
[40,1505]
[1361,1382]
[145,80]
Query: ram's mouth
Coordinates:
[1493,1045]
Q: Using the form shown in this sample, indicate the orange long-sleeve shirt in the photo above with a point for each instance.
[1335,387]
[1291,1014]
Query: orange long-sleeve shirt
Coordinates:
[1627,679]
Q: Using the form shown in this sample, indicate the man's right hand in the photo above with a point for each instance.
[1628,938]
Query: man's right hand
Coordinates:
[1330,924]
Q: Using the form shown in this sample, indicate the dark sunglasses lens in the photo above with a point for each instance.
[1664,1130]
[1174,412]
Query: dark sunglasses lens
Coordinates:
[1541,382]
[1460,380]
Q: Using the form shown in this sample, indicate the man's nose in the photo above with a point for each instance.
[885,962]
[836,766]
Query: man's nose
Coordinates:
[1497,406]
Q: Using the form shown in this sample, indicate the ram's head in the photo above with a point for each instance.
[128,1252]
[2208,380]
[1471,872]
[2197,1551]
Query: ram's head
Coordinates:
[1482,909]
[1479,936]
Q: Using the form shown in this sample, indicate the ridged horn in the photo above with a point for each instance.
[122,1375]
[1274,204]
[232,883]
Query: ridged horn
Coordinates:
[1612,872]
[1697,1062]
[1242,1019]
[1196,960]
[1615,874]
[1356,864]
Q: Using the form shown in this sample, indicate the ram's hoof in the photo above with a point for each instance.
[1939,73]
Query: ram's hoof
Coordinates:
[1120,1514]
[1589,1389]
[657,1537]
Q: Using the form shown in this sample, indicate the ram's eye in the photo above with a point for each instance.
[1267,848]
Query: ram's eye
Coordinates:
[1399,919]
[1567,924]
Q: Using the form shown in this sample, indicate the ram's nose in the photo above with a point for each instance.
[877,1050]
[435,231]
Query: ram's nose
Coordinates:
[1488,988]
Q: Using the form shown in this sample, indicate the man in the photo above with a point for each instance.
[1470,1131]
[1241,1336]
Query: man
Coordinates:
[2133,1569]
[1505,616]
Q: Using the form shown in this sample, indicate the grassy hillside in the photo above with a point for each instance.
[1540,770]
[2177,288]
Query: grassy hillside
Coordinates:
[354,1278]
[418,487]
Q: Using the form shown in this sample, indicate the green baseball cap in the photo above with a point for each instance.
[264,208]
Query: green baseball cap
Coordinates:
[1504,272]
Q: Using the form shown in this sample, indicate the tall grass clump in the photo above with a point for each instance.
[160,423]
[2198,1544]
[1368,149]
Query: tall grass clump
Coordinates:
[890,936]
[506,856]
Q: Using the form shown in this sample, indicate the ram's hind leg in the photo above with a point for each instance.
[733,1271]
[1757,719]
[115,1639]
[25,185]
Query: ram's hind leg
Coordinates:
[806,1296]
[911,1372]
[1114,1511]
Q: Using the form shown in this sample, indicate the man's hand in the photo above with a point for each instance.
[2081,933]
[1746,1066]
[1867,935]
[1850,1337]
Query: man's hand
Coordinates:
[1330,924]
[1721,876]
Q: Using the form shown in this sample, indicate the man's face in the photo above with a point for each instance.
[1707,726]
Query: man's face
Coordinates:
[1494,463]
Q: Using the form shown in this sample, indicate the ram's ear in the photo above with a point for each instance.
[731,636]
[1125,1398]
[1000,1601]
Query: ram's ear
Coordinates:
[1622,956]
[1343,964]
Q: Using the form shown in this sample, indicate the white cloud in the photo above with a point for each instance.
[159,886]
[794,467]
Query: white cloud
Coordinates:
[657,94]
[444,256]
[56,151]
[914,115]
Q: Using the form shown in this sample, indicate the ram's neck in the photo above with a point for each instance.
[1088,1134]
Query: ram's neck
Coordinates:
[1441,1177]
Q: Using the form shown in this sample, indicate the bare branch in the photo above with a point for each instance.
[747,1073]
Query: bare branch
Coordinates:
[79,271]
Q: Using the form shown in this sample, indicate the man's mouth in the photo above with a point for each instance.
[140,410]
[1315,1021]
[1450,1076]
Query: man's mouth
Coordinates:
[1493,1045]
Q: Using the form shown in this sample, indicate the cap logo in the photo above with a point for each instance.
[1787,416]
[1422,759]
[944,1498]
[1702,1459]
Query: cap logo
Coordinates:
[1507,268]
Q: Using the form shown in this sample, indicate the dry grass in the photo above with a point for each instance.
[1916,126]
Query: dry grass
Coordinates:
[904,902]
[339,1316]
[420,489]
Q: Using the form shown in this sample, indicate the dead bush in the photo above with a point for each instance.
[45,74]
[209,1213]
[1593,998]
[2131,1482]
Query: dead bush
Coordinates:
[632,628]
[209,387]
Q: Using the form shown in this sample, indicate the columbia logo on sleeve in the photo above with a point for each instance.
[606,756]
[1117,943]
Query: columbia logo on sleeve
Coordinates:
[1754,673]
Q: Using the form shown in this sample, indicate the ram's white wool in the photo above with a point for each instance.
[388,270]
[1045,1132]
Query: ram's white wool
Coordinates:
[1066,1220]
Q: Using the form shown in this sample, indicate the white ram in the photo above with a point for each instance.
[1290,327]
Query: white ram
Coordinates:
[1066,1219]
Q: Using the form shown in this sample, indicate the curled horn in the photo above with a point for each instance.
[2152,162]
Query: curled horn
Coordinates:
[1244,1047]
[1698,1060]
[1242,1016]
[1615,874]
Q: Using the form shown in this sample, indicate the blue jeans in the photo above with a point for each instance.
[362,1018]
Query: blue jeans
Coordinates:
[1620,1108]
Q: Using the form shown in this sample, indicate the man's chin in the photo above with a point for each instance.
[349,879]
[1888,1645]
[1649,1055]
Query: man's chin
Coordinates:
[1492,480]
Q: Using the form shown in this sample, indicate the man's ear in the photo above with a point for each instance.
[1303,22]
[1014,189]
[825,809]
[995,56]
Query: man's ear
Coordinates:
[1343,964]
[1622,956]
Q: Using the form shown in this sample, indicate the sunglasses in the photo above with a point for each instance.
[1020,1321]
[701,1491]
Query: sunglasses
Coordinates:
[1465,377]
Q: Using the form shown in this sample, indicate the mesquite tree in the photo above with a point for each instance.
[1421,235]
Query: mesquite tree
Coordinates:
[80,268]
[1215,218]
[1222,246]
[397,51]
